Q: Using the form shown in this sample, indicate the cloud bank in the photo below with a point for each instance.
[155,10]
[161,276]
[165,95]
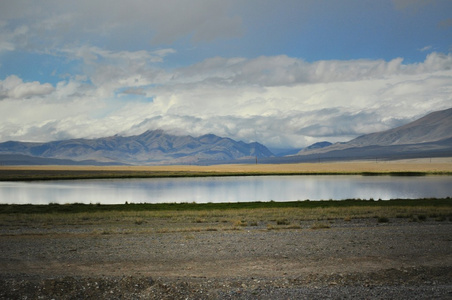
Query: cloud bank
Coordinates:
[279,100]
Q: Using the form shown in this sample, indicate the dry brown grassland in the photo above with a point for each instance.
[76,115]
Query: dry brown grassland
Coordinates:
[441,166]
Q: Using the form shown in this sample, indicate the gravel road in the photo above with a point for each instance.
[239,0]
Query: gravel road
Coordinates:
[359,259]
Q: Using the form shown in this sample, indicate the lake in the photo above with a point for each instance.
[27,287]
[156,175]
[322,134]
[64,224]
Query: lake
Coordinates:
[225,189]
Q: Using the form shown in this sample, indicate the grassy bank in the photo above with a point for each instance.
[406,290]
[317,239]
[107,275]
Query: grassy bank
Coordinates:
[186,217]
[50,174]
[174,207]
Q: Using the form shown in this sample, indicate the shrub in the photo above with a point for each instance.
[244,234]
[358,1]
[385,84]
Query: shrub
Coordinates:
[320,225]
[282,222]
[273,227]
[422,217]
[239,223]
[293,226]
[383,220]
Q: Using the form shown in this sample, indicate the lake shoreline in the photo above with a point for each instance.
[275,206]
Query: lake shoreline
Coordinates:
[183,206]
[366,168]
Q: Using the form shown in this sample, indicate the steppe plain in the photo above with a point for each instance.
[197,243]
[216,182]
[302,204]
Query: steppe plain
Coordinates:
[441,166]
[320,252]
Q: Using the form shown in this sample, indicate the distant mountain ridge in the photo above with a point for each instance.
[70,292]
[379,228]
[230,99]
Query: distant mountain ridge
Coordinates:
[318,145]
[151,147]
[427,137]
[433,127]
[430,135]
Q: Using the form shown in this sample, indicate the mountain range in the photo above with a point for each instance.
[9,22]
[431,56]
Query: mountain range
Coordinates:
[151,147]
[432,128]
[429,136]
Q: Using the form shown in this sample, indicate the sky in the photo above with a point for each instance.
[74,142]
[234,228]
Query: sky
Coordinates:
[285,73]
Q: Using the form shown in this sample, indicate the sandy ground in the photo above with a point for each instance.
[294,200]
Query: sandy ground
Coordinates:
[357,259]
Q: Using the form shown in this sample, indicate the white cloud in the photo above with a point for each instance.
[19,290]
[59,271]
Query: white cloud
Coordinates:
[14,88]
[279,101]
[113,72]
[93,54]
[285,100]
[283,70]
[426,48]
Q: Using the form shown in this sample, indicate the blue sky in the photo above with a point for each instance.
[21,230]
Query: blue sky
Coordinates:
[286,73]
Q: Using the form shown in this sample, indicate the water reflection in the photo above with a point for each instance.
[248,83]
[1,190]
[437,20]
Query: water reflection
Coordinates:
[225,189]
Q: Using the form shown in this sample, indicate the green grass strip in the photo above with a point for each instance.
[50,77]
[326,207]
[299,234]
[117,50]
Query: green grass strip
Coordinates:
[35,175]
[79,208]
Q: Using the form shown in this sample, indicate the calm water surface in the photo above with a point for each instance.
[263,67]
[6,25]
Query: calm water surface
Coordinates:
[224,189]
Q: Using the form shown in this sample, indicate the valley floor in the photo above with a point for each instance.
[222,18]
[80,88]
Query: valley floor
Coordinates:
[263,254]
[425,166]
[346,259]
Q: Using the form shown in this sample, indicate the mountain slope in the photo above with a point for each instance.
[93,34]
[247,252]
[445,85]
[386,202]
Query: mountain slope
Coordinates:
[433,127]
[20,159]
[428,136]
[318,145]
[151,147]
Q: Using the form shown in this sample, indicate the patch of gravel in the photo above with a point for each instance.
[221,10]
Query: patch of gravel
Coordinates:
[361,259]
[324,287]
